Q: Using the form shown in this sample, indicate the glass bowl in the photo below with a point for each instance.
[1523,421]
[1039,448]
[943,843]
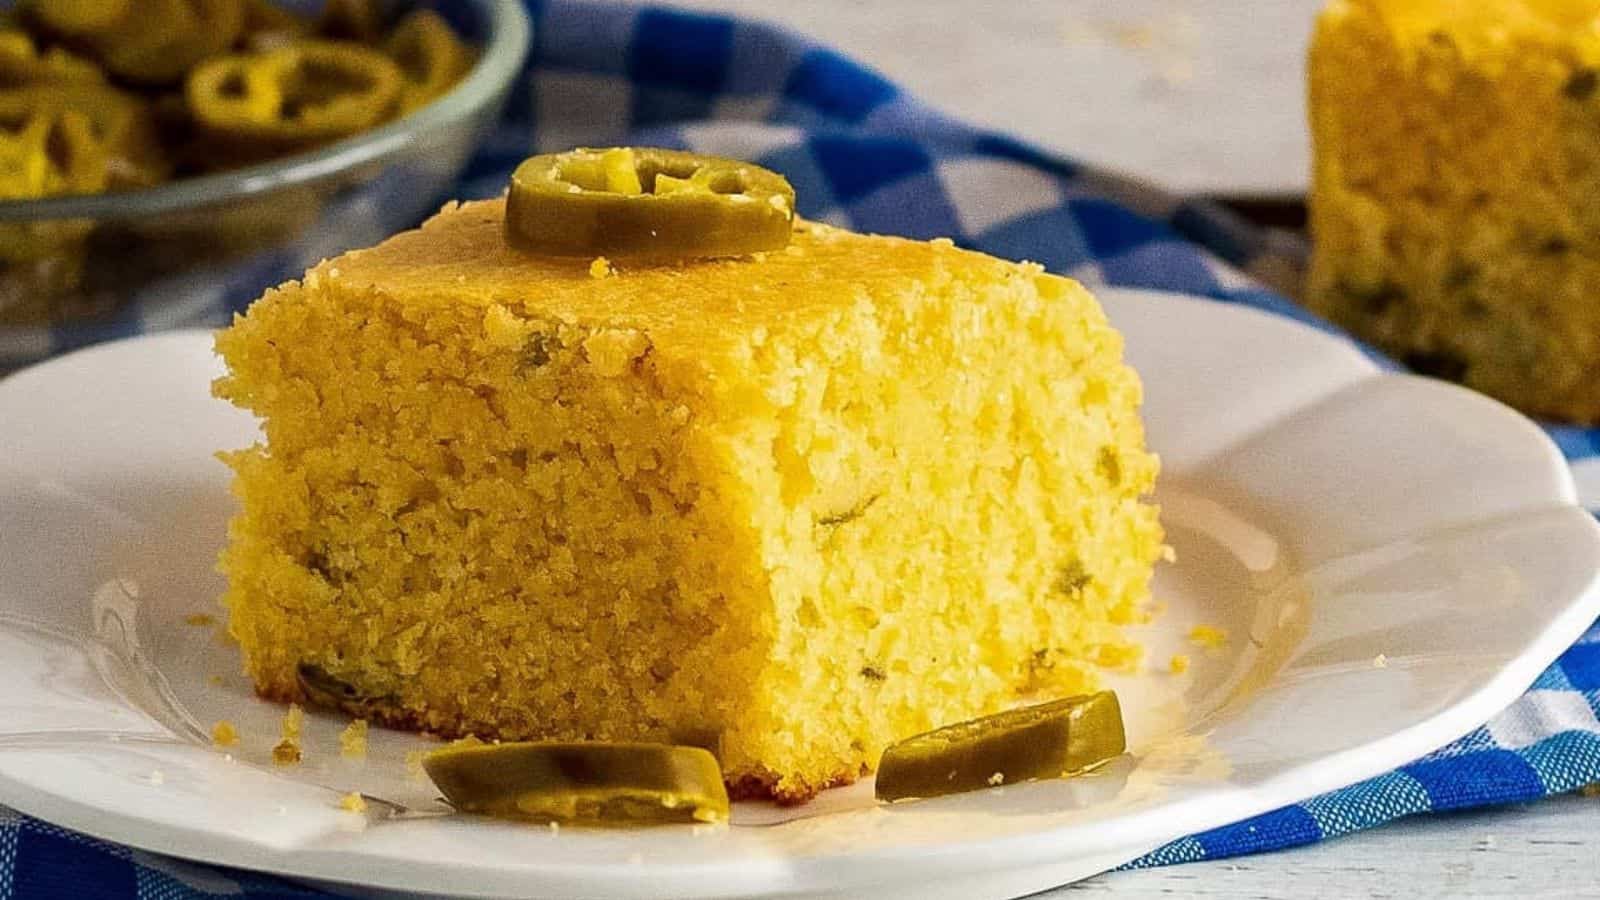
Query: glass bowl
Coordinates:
[194,251]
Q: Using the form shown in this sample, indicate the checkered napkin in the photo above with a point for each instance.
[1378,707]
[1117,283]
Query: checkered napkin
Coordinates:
[865,155]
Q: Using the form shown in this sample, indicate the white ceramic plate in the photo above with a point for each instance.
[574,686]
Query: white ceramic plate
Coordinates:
[1395,558]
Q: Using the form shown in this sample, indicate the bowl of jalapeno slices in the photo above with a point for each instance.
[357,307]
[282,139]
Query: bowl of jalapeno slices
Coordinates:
[164,161]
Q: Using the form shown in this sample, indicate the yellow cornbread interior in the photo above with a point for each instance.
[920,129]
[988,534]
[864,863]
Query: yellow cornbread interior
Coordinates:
[1452,210]
[813,501]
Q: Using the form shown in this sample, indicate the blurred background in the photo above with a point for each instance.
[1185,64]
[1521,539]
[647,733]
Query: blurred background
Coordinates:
[1199,96]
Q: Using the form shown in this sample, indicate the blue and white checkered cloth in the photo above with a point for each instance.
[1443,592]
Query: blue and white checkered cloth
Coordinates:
[863,154]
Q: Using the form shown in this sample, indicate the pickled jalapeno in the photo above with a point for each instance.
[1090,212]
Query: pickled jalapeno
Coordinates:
[355,20]
[79,17]
[1049,740]
[119,121]
[21,63]
[431,57]
[646,204]
[268,26]
[592,782]
[115,95]
[222,83]
[304,93]
[153,43]
[44,153]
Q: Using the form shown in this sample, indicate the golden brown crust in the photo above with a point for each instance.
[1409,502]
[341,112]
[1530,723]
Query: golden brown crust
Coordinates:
[761,785]
[765,786]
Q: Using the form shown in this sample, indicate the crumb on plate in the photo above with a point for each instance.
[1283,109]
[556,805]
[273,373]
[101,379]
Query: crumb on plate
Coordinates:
[224,733]
[414,769]
[353,740]
[200,620]
[353,802]
[1208,636]
[1179,663]
[293,721]
[1119,657]
[286,753]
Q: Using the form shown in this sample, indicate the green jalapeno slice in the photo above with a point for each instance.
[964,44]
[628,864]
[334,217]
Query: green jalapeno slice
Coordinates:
[1049,740]
[646,203]
[593,782]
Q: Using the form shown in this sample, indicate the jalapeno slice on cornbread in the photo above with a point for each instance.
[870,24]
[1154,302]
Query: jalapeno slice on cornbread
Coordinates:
[586,782]
[646,203]
[1049,740]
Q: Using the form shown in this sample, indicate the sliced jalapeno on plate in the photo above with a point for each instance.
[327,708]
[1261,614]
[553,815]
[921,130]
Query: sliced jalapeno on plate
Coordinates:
[1048,740]
[594,782]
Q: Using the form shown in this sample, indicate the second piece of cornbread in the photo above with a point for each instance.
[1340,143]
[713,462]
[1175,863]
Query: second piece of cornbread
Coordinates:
[1453,201]
[805,503]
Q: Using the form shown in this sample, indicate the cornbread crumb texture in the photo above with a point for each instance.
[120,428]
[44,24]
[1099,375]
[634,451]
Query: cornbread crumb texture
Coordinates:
[286,753]
[812,503]
[1456,162]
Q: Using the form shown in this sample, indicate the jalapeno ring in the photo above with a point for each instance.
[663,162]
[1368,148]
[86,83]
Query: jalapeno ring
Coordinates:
[646,203]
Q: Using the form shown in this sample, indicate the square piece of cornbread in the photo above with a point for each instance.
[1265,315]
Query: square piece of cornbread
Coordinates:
[806,503]
[1453,212]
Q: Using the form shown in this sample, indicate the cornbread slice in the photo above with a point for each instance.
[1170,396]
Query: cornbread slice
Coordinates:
[1452,207]
[806,503]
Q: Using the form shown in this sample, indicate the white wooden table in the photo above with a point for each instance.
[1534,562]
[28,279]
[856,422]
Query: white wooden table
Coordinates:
[1201,96]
